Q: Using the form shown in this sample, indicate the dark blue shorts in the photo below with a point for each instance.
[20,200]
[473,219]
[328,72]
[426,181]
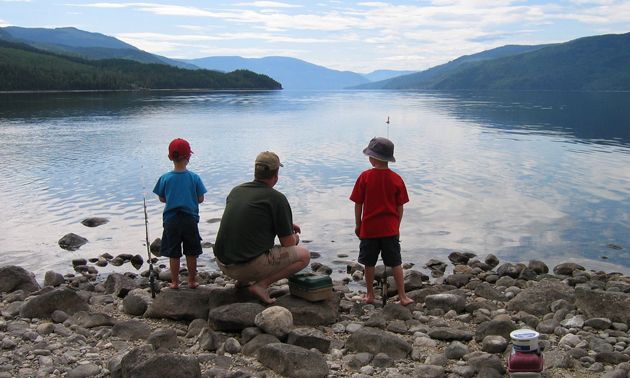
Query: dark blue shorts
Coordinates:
[388,247]
[181,230]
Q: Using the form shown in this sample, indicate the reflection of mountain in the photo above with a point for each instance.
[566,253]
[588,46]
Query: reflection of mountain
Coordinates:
[79,104]
[591,117]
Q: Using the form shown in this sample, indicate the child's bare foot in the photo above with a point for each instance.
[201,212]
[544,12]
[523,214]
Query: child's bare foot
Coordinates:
[368,299]
[406,300]
[174,286]
[193,285]
[238,283]
[261,293]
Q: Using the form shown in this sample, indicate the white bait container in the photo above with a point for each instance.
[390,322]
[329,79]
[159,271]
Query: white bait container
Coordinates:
[525,340]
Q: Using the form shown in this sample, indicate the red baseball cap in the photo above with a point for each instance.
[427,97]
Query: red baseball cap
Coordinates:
[179,149]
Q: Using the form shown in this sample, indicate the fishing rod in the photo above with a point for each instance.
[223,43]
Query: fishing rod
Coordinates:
[146,233]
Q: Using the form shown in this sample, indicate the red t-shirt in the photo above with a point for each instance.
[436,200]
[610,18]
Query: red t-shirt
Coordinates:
[380,191]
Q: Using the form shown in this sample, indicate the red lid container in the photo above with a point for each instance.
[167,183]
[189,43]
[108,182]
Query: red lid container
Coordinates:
[525,362]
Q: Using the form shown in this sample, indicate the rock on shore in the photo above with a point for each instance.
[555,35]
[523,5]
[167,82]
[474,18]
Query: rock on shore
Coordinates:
[459,326]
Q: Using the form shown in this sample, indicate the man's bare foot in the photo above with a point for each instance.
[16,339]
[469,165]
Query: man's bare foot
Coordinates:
[406,300]
[261,293]
[193,285]
[238,283]
[368,299]
[174,286]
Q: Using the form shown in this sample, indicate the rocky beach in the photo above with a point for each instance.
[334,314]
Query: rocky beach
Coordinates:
[80,324]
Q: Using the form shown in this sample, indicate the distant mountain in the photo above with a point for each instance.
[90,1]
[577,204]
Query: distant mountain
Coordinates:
[292,73]
[68,37]
[379,75]
[590,63]
[431,75]
[77,42]
[26,68]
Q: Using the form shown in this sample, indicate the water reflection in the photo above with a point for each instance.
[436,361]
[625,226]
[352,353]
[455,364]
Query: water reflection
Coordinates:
[522,175]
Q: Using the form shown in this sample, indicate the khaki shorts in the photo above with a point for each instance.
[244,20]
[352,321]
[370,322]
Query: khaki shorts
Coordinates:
[263,266]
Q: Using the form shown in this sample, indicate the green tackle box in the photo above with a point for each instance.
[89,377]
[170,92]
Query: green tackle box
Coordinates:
[310,286]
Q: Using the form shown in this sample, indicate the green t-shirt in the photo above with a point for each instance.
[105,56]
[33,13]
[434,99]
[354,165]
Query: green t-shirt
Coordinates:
[254,215]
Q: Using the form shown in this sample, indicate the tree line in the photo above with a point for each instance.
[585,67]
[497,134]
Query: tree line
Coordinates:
[25,68]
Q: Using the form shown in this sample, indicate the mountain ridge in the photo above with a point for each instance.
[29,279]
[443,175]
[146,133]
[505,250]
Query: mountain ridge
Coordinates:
[291,72]
[589,63]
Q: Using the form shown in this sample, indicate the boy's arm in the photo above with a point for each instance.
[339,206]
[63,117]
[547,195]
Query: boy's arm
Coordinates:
[162,199]
[400,213]
[358,211]
[200,198]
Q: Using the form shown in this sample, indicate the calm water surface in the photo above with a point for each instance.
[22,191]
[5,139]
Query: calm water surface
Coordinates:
[522,175]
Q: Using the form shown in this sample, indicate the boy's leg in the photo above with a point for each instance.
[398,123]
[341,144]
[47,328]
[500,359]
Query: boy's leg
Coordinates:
[174,265]
[191,263]
[369,283]
[400,285]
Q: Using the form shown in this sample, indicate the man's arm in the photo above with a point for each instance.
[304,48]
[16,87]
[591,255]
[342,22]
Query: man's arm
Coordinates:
[358,212]
[162,199]
[289,241]
[400,213]
[200,198]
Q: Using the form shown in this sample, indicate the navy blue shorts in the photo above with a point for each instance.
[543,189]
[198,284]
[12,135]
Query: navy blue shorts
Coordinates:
[181,230]
[388,247]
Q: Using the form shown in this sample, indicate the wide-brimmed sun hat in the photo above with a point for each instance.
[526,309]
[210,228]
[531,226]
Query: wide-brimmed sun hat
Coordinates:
[380,148]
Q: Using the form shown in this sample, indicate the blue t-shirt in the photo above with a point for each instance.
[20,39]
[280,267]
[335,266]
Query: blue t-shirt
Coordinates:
[182,190]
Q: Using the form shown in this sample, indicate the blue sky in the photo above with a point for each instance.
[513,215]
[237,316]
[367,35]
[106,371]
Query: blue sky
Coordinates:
[342,35]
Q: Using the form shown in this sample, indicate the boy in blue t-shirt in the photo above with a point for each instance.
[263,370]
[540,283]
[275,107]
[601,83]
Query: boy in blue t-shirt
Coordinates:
[182,191]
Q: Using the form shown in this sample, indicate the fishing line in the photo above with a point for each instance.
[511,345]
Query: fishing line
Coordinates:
[146,232]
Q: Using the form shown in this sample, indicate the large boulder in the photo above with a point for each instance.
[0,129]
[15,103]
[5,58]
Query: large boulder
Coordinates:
[314,314]
[131,330]
[87,319]
[293,361]
[119,285]
[43,305]
[275,320]
[144,362]
[445,302]
[375,341]
[234,317]
[221,296]
[13,278]
[604,304]
[309,338]
[537,299]
[495,328]
[181,304]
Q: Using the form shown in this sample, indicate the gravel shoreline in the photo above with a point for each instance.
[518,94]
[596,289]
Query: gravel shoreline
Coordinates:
[574,345]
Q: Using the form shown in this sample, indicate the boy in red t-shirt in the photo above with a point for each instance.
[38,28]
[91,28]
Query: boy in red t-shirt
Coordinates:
[379,195]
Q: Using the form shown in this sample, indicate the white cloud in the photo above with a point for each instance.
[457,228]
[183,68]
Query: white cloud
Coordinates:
[101,5]
[269,4]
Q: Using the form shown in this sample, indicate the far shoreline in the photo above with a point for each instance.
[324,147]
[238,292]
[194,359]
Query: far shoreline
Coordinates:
[141,90]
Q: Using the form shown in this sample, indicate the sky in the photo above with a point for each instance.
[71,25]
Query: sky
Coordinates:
[343,35]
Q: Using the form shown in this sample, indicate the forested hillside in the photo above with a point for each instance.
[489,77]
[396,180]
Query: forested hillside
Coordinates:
[590,63]
[24,68]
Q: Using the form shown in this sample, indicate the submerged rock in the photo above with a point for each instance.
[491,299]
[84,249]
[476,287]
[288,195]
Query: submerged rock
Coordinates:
[94,222]
[72,242]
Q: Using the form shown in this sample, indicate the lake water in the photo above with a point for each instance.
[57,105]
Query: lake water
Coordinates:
[522,175]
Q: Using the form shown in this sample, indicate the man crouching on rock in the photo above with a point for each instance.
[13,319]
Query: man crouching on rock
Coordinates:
[254,215]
